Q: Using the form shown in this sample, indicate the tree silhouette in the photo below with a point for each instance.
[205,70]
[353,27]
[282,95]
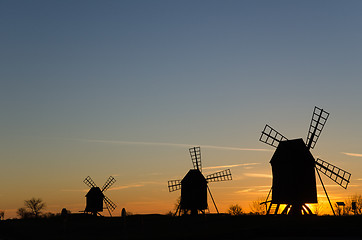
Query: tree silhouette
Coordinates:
[33,208]
[339,210]
[256,208]
[235,210]
[2,215]
[357,198]
[318,208]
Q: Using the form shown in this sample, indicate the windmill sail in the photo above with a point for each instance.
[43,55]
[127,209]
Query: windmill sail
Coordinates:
[219,176]
[271,137]
[195,153]
[174,185]
[337,174]
[319,119]
[109,204]
[89,182]
[108,183]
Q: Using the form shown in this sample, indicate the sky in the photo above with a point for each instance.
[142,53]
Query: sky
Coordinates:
[124,88]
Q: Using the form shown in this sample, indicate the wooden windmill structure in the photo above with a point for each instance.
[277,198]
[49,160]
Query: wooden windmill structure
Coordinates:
[194,186]
[294,167]
[95,197]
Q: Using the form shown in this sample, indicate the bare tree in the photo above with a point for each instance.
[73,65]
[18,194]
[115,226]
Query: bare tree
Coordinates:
[2,215]
[35,206]
[357,198]
[318,208]
[23,213]
[256,208]
[339,210]
[235,210]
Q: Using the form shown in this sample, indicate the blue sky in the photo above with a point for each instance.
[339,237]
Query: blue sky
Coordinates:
[76,73]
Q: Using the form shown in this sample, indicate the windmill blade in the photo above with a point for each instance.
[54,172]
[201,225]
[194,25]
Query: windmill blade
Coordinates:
[108,183]
[174,185]
[88,181]
[109,204]
[338,175]
[224,175]
[271,137]
[319,119]
[195,153]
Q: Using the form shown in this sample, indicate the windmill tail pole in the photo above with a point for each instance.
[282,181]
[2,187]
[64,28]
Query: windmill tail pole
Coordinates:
[266,200]
[330,204]
[178,210]
[217,210]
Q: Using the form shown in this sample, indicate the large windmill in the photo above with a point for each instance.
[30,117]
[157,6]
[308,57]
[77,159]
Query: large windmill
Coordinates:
[293,167]
[95,197]
[194,186]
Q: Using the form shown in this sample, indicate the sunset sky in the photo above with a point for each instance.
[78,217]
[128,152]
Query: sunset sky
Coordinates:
[124,88]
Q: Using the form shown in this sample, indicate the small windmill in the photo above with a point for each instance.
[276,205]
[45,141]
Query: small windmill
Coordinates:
[293,167]
[95,197]
[194,186]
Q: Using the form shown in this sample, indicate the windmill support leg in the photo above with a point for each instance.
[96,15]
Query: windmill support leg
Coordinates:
[307,209]
[267,197]
[109,211]
[217,210]
[285,211]
[177,210]
[268,211]
[277,209]
[330,204]
[266,206]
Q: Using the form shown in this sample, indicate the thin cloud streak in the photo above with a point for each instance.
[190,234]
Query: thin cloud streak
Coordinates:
[336,185]
[352,154]
[258,175]
[231,166]
[172,145]
[125,187]
[74,190]
[110,189]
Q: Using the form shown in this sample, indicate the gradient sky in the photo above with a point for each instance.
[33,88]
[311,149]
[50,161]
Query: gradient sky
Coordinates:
[124,88]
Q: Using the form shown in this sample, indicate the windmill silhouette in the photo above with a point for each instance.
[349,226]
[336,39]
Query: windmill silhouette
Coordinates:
[95,197]
[194,186]
[293,168]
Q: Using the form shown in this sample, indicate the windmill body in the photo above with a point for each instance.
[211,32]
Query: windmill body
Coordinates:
[194,192]
[194,186]
[294,168]
[94,200]
[293,174]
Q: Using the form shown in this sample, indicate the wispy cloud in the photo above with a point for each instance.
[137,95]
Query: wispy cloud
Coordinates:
[74,190]
[258,175]
[236,149]
[231,166]
[254,189]
[125,187]
[352,154]
[110,189]
[172,145]
[336,185]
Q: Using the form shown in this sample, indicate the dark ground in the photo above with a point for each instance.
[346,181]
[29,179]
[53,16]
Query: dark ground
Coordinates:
[78,226]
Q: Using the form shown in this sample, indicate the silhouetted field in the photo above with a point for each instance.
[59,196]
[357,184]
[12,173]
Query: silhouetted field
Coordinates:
[79,226]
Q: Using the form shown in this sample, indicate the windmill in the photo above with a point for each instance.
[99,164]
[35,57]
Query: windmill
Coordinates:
[95,197]
[293,168]
[194,186]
